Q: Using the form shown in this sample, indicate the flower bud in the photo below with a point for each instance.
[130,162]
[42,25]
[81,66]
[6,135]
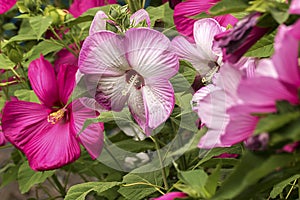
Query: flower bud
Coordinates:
[57,15]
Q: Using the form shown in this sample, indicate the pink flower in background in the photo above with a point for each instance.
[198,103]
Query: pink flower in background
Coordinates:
[5,5]
[295,7]
[133,69]
[46,132]
[212,101]
[236,42]
[201,55]
[172,196]
[80,6]
[185,10]
[276,79]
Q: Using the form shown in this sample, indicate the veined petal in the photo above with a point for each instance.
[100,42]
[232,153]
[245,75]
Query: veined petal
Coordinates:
[43,81]
[47,146]
[265,91]
[137,109]
[103,53]
[66,81]
[92,136]
[201,94]
[187,51]
[158,96]
[149,54]
[140,16]
[266,68]
[204,32]
[98,23]
[110,92]
[285,58]
[5,5]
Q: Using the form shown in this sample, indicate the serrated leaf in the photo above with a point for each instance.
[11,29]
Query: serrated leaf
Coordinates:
[28,178]
[80,191]
[275,121]
[5,62]
[163,12]
[278,188]
[40,24]
[138,186]
[262,48]
[228,7]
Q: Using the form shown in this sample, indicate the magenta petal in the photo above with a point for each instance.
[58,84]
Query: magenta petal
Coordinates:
[92,137]
[5,5]
[2,138]
[43,81]
[171,196]
[265,91]
[285,58]
[66,81]
[140,16]
[212,139]
[295,7]
[47,146]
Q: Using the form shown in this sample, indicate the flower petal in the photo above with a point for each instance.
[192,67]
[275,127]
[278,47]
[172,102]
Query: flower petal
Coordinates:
[187,51]
[295,7]
[43,81]
[109,92]
[98,23]
[158,96]
[266,68]
[103,53]
[285,58]
[66,81]
[172,196]
[265,91]
[212,139]
[204,32]
[148,53]
[47,146]
[92,136]
[5,5]
[140,16]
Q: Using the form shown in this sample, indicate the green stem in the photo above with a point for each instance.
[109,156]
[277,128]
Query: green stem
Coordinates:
[290,191]
[59,186]
[163,171]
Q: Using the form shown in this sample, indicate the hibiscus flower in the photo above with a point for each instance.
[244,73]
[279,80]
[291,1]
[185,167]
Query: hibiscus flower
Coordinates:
[5,5]
[47,133]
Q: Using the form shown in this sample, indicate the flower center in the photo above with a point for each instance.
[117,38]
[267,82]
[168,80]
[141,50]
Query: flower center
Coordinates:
[207,79]
[54,117]
[133,79]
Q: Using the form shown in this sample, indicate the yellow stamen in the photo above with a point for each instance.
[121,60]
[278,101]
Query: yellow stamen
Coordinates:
[54,117]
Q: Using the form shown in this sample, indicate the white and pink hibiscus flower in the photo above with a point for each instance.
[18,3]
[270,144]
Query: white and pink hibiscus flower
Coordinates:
[204,58]
[48,132]
[80,6]
[132,69]
[184,12]
[275,79]
[5,5]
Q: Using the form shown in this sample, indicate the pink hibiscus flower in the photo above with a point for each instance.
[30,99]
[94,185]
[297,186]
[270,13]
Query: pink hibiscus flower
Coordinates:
[133,69]
[80,6]
[201,55]
[275,79]
[5,5]
[47,132]
[185,10]
[172,196]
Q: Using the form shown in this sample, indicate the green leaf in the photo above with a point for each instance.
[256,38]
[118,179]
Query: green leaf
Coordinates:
[275,121]
[278,188]
[228,7]
[40,24]
[263,47]
[279,12]
[252,168]
[212,181]
[163,12]
[5,62]
[28,178]
[26,95]
[139,186]
[9,173]
[80,191]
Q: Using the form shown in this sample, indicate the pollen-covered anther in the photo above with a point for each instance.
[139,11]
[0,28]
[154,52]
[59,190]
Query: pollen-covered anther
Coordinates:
[133,79]
[54,117]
